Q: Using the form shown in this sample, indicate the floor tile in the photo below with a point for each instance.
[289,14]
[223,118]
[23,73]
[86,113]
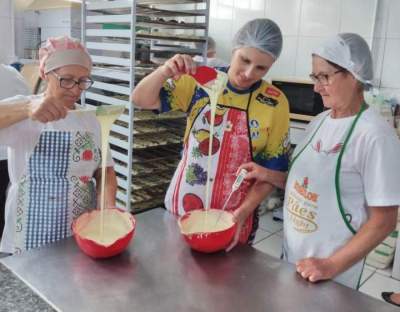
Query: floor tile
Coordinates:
[268,224]
[385,272]
[279,233]
[261,234]
[379,283]
[271,246]
[366,274]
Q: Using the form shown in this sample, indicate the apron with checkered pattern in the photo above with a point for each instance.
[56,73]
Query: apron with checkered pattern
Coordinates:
[57,187]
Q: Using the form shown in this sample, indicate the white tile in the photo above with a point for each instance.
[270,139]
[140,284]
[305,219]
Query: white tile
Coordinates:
[286,13]
[378,50]
[385,272]
[393,28]
[220,27]
[268,224]
[5,8]
[260,235]
[7,40]
[245,11]
[362,26]
[379,283]
[271,246]
[303,58]
[366,274]
[391,64]
[55,18]
[320,18]
[285,66]
[382,17]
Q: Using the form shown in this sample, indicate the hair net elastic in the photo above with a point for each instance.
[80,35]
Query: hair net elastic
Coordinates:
[62,51]
[351,52]
[263,34]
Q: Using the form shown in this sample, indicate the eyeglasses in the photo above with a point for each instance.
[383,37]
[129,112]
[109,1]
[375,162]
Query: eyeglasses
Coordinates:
[69,83]
[324,79]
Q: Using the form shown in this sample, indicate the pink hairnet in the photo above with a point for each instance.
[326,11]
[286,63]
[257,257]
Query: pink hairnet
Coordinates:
[62,51]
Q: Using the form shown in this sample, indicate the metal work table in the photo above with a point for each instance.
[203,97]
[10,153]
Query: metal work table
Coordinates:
[160,273]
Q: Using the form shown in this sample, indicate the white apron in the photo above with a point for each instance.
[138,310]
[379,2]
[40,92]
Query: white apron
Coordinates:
[57,187]
[315,222]
[231,148]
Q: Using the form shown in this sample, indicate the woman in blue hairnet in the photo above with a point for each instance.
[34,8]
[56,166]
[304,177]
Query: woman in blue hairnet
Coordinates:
[342,190]
[251,123]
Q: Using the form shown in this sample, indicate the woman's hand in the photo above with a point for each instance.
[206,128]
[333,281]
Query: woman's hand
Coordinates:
[49,109]
[316,269]
[178,65]
[254,172]
[260,174]
[239,217]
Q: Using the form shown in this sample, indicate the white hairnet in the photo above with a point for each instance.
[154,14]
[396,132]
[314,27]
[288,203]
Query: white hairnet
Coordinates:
[351,52]
[261,33]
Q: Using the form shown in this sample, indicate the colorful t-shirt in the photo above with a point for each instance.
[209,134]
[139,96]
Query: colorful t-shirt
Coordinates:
[267,108]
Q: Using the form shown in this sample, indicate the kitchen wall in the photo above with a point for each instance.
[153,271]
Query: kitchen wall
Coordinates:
[7,32]
[52,22]
[305,24]
[386,47]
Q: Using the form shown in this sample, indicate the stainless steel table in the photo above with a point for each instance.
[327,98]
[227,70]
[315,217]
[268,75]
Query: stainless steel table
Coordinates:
[160,273]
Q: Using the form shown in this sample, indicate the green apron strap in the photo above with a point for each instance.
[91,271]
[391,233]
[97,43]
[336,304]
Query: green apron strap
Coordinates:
[338,166]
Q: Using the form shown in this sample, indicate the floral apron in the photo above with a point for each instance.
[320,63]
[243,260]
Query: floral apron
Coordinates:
[231,147]
[57,187]
[316,223]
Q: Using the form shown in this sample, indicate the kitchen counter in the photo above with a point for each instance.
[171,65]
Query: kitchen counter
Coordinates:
[160,273]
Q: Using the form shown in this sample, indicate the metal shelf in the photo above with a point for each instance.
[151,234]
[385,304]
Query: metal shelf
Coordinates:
[125,39]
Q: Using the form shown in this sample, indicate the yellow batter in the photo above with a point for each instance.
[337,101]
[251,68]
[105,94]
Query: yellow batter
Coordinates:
[214,90]
[106,115]
[201,221]
[117,226]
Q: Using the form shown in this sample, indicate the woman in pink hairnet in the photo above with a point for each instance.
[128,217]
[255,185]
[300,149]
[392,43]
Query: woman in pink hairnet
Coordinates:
[54,157]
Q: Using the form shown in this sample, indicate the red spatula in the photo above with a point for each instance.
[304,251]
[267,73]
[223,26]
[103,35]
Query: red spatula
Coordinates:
[204,74]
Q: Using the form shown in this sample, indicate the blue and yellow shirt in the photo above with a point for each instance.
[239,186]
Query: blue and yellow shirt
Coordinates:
[267,112]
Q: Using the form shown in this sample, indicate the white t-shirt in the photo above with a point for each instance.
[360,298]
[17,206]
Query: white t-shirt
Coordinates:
[21,138]
[370,168]
[11,84]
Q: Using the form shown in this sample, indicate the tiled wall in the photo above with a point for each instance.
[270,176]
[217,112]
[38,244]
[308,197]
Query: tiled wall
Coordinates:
[7,31]
[304,23]
[386,46]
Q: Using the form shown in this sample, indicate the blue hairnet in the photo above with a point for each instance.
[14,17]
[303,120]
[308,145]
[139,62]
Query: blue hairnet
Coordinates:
[261,33]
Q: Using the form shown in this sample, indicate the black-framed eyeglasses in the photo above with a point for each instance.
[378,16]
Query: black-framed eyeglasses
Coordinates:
[324,79]
[69,83]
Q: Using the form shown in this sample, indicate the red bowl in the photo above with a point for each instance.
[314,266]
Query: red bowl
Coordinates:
[207,240]
[95,249]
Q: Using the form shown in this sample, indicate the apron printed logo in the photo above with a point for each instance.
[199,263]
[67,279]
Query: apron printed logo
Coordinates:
[254,129]
[272,91]
[302,207]
[317,146]
[266,100]
[203,138]
[195,174]
[191,201]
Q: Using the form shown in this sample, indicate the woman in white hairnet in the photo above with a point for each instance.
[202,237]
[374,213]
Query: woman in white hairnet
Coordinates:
[251,123]
[342,190]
